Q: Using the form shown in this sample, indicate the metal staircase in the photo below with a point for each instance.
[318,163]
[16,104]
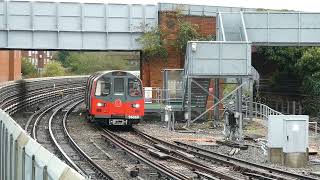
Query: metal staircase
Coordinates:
[199,96]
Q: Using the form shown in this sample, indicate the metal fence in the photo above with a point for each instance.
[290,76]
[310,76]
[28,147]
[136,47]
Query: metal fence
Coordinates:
[22,158]
[162,96]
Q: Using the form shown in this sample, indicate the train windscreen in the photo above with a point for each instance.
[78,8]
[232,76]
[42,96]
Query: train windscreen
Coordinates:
[103,87]
[134,88]
[118,85]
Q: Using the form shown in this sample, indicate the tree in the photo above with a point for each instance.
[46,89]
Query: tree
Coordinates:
[28,69]
[309,64]
[153,43]
[62,57]
[89,62]
[187,32]
[53,68]
[285,57]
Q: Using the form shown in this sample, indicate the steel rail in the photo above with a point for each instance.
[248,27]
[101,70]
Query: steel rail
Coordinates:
[95,166]
[251,167]
[64,154]
[161,168]
[185,160]
[35,124]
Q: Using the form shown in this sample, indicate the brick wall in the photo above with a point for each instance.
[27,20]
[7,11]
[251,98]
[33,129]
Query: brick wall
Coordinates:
[151,71]
[10,65]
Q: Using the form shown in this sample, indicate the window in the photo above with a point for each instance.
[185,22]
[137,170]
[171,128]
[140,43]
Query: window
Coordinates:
[119,85]
[29,53]
[103,87]
[134,87]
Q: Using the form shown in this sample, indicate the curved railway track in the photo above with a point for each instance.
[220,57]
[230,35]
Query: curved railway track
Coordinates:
[16,97]
[70,151]
[194,166]
[51,122]
[252,170]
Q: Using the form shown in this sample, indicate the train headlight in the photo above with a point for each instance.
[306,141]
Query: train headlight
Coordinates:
[135,105]
[99,104]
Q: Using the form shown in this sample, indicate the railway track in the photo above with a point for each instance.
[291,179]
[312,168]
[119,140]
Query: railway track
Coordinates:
[69,150]
[196,167]
[110,136]
[48,127]
[252,170]
[52,118]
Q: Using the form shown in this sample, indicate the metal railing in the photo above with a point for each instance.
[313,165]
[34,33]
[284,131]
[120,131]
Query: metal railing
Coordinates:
[157,95]
[261,110]
[21,157]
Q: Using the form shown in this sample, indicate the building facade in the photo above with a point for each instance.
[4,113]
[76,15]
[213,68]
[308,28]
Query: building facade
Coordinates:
[38,58]
[10,65]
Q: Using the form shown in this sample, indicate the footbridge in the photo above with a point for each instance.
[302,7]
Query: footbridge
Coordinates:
[96,26]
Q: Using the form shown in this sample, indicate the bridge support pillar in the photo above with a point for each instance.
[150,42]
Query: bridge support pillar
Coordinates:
[189,101]
[239,109]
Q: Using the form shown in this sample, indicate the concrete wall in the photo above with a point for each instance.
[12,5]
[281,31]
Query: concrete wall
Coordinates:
[10,65]
[151,71]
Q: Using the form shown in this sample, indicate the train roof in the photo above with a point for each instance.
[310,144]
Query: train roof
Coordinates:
[100,73]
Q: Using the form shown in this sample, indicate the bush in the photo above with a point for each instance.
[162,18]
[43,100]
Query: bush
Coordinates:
[53,68]
[28,70]
[90,62]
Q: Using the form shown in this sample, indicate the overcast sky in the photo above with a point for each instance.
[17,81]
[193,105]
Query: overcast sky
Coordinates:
[301,5]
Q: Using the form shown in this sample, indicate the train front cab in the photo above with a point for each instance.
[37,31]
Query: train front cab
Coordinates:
[117,99]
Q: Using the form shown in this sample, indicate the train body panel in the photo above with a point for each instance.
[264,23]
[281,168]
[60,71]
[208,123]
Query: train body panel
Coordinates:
[113,97]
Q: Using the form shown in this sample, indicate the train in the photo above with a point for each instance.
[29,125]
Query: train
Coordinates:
[114,98]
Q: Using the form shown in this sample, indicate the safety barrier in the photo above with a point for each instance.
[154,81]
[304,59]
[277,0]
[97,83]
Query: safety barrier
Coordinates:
[22,158]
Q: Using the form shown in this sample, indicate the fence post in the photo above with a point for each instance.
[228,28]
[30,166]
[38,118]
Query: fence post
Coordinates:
[5,172]
[300,108]
[23,168]
[45,173]
[261,111]
[247,109]
[1,151]
[294,107]
[33,169]
[288,107]
[256,108]
[15,174]
[10,158]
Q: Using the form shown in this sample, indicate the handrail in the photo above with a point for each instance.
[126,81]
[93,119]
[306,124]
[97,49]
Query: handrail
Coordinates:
[261,110]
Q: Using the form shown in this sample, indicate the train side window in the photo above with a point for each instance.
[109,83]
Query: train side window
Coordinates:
[107,86]
[134,87]
[119,85]
[103,87]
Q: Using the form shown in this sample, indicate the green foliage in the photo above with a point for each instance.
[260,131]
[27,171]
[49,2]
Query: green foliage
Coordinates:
[311,105]
[153,43]
[309,64]
[53,68]
[90,62]
[28,69]
[304,64]
[285,57]
[187,32]
[62,57]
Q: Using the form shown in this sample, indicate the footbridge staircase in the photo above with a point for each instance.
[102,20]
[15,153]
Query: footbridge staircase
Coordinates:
[230,55]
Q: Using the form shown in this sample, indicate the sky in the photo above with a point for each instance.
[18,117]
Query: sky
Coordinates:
[299,5]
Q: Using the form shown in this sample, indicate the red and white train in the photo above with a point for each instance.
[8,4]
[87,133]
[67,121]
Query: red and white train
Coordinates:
[114,98]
